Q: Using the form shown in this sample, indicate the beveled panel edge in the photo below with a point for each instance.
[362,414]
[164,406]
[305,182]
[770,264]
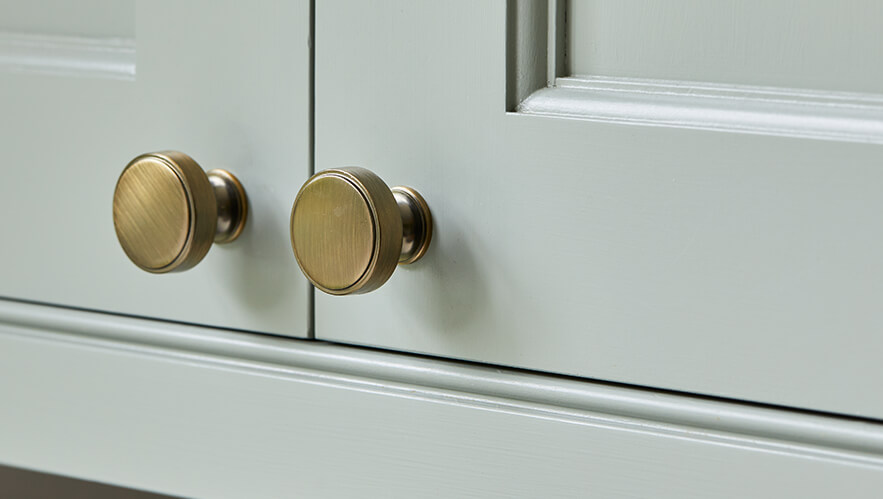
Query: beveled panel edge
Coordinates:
[769,429]
[538,83]
[112,58]
[840,116]
[528,37]
[556,60]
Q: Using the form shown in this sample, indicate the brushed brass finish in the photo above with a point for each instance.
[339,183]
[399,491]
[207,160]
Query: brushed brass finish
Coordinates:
[167,211]
[151,213]
[416,224]
[232,205]
[349,230]
[346,224]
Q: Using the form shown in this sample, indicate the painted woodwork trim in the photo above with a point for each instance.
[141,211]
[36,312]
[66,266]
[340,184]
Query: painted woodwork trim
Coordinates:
[519,390]
[202,412]
[539,83]
[841,116]
[93,57]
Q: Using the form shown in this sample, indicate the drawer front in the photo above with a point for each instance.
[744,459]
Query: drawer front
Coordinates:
[710,237]
[87,89]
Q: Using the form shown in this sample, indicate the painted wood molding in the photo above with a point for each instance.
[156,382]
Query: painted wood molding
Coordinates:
[547,393]
[539,83]
[93,57]
[827,115]
[194,411]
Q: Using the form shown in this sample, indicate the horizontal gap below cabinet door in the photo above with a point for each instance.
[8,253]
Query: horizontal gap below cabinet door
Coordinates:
[553,395]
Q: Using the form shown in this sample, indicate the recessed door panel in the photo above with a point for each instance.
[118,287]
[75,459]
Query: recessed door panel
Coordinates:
[787,43]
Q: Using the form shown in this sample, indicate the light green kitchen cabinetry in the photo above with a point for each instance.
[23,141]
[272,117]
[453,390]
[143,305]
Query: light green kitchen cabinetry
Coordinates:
[653,269]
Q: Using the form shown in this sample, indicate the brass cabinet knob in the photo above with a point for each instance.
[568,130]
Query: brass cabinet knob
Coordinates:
[349,230]
[167,211]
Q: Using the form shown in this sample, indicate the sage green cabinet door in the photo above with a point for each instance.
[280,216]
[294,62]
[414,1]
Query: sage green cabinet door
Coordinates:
[87,86]
[679,226]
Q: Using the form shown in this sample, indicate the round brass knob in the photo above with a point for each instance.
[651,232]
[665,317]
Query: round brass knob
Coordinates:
[167,211]
[349,230]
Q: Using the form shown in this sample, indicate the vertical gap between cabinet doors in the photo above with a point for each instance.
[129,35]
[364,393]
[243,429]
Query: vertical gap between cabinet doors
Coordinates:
[311,155]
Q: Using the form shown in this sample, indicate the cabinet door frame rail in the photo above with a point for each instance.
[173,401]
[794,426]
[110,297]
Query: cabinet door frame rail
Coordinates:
[81,337]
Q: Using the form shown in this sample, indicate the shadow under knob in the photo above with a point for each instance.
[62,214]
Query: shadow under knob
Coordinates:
[167,211]
[349,230]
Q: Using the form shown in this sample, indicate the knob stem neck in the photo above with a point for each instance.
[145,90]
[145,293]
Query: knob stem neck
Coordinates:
[232,205]
[416,224]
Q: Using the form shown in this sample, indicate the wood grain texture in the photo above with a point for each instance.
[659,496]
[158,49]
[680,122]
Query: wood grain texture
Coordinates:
[786,43]
[225,82]
[743,266]
[231,415]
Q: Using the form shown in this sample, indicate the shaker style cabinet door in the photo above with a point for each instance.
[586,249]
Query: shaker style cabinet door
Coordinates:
[85,87]
[684,194]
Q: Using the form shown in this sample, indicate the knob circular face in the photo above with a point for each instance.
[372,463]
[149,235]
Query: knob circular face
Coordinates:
[346,231]
[164,212]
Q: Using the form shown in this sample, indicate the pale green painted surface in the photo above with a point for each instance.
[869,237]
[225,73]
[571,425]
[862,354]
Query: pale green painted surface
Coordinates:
[100,18]
[722,263]
[223,425]
[225,82]
[783,43]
